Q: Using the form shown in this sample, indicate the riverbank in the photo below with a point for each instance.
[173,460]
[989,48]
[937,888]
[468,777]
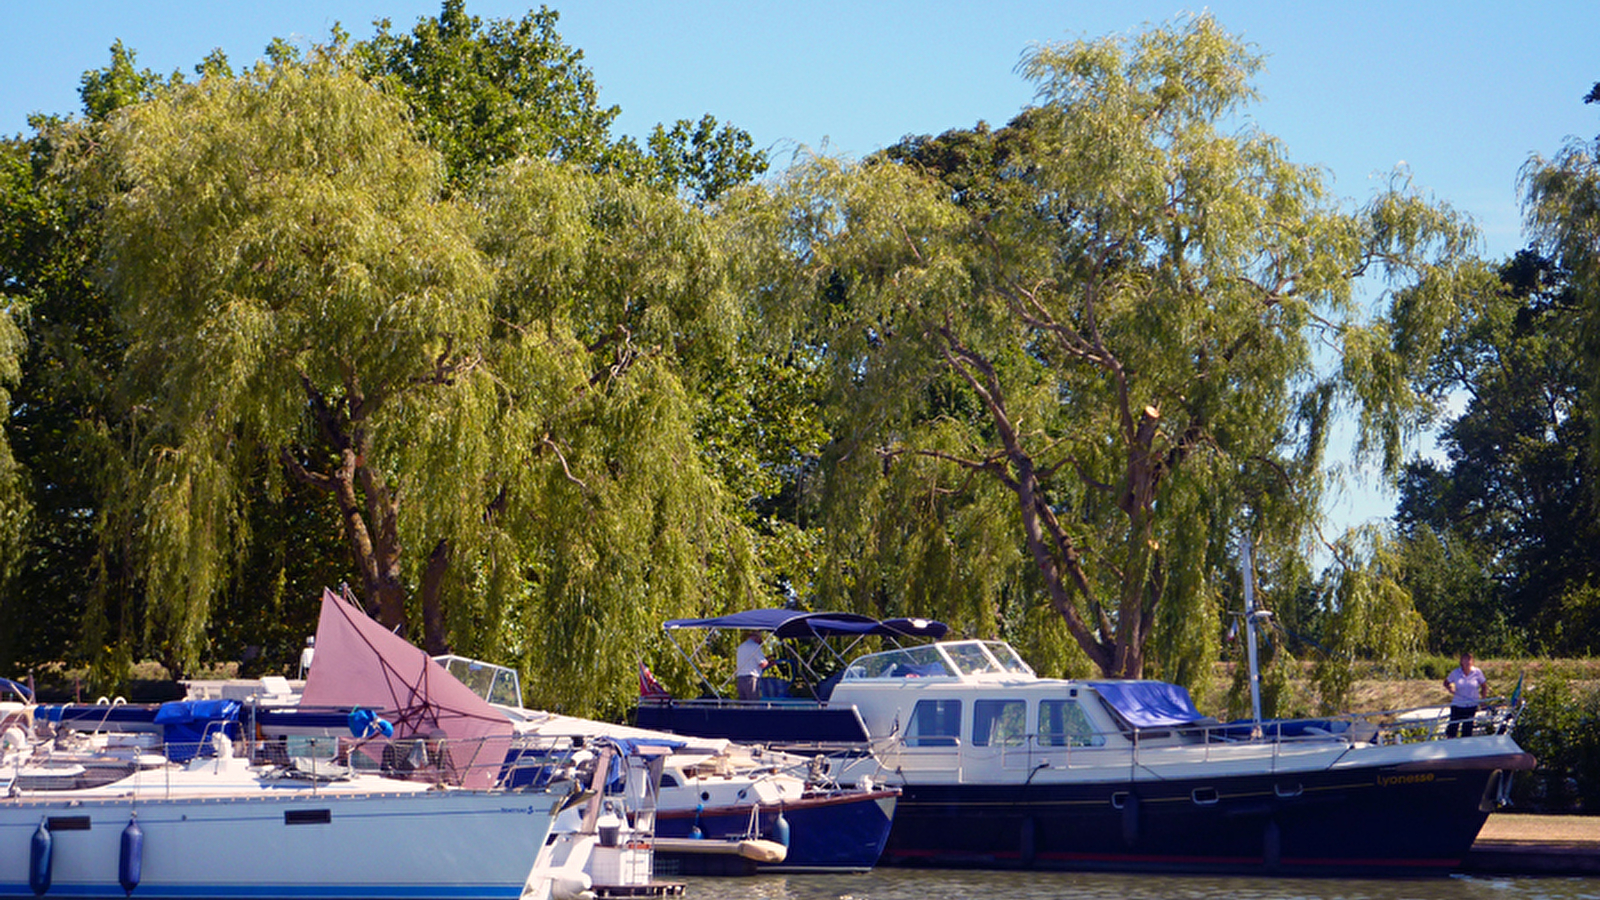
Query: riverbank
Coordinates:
[1527,844]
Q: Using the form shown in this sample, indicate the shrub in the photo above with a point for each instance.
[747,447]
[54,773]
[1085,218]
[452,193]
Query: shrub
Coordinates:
[1560,726]
[1436,667]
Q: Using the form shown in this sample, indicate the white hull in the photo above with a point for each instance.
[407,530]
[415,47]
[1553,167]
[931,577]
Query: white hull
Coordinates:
[370,838]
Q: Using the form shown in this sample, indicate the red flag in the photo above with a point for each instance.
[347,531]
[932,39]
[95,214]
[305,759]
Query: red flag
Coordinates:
[648,685]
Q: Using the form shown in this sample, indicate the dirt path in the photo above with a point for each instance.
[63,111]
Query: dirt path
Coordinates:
[1525,828]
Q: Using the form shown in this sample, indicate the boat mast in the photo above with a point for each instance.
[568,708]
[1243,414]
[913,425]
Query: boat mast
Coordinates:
[1250,625]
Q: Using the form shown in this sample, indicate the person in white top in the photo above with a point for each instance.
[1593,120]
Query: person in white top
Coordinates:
[1466,685]
[748,665]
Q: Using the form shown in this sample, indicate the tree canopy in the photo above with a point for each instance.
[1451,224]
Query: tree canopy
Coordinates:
[1108,312]
[444,383]
[486,94]
[1500,532]
[405,312]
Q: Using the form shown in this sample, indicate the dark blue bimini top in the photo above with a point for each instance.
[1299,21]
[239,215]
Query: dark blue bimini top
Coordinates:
[789,623]
[17,688]
[1149,704]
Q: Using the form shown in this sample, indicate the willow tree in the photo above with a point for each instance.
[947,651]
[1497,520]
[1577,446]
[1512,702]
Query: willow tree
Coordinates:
[14,505]
[296,287]
[613,312]
[1561,204]
[1111,315]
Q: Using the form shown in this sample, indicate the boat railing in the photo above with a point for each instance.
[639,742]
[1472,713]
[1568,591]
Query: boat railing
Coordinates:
[154,769]
[1237,741]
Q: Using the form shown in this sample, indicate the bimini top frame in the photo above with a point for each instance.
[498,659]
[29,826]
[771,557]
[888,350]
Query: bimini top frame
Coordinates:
[803,636]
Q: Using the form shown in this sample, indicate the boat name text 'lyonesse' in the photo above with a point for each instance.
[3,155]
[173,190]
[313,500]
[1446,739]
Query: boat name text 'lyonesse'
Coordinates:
[1420,778]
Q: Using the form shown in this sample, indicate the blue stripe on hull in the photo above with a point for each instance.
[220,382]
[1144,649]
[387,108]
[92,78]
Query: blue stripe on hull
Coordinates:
[114,891]
[1306,823]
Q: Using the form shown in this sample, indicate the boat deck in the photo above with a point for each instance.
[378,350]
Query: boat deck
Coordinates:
[1527,844]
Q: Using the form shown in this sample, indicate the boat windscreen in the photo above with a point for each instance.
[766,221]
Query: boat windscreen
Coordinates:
[1149,704]
[970,658]
[1007,656]
[908,662]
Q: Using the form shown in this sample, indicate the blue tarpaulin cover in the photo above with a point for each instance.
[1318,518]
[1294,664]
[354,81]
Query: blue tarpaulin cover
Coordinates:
[1149,704]
[179,711]
[185,724]
[615,777]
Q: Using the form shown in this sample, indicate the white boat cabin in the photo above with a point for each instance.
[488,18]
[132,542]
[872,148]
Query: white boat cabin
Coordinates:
[975,711]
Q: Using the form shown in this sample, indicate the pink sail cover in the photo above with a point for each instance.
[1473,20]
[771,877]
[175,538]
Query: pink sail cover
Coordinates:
[360,663]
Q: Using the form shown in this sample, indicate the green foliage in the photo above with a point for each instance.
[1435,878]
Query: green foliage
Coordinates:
[119,84]
[704,160]
[46,240]
[1453,591]
[1562,211]
[535,390]
[1278,673]
[15,508]
[615,307]
[1497,534]
[288,193]
[1097,327]
[1370,616]
[1436,668]
[17,200]
[485,94]
[1560,726]
[300,354]
[500,416]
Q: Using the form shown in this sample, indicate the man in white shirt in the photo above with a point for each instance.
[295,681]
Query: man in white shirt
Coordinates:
[749,663]
[1466,685]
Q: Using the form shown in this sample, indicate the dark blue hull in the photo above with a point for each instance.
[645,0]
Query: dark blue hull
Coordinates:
[840,831]
[1322,823]
[770,722]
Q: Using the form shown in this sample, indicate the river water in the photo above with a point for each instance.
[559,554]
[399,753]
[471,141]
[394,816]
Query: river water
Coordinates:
[938,884]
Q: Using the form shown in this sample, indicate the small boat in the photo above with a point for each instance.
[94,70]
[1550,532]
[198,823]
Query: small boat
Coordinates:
[231,816]
[999,767]
[737,802]
[603,843]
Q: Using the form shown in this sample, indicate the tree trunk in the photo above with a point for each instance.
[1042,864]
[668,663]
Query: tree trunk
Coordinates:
[434,639]
[368,510]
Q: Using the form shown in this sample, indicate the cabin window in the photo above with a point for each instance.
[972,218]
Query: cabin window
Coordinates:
[1062,723]
[668,781]
[999,723]
[934,723]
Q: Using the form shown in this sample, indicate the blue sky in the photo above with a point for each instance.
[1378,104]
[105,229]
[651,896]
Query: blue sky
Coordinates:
[1460,93]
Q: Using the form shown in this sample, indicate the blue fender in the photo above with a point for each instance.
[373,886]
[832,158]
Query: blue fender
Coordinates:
[39,860]
[130,866]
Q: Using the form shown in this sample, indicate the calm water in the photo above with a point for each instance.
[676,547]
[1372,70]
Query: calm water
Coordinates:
[927,884]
